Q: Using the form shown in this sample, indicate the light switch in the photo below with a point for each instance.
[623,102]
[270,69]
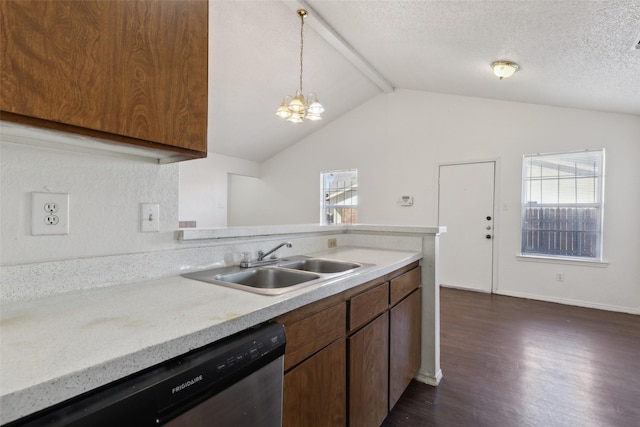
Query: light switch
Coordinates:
[406,201]
[149,217]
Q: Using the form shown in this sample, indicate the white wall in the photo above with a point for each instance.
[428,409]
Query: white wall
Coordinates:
[203,188]
[104,204]
[396,142]
[240,208]
[204,182]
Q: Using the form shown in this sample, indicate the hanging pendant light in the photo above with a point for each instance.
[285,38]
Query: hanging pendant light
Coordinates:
[298,109]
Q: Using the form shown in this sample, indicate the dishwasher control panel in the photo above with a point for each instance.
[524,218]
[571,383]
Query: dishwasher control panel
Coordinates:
[215,367]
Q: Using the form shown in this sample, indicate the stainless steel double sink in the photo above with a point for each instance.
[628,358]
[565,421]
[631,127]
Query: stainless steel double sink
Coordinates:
[285,275]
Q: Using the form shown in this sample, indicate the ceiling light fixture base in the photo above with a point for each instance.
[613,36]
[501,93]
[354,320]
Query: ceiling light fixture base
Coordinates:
[504,69]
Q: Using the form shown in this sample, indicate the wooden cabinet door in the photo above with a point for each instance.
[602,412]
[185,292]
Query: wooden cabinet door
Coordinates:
[369,373]
[404,349]
[315,391]
[125,71]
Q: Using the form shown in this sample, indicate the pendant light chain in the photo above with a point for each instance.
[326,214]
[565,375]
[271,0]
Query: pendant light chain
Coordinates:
[302,15]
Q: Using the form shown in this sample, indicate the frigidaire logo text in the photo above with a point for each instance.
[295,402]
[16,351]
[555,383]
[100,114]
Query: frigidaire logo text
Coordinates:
[186,384]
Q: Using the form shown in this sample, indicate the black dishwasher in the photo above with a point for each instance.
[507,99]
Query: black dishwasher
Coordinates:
[232,382]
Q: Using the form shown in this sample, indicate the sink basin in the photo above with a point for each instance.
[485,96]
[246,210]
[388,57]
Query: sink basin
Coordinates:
[319,265]
[264,280]
[285,276]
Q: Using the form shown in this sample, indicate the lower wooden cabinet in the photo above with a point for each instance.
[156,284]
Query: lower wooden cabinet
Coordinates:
[350,356]
[368,375]
[404,347]
[315,391]
[385,354]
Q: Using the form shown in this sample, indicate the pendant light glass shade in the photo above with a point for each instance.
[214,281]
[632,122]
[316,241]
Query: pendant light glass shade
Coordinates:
[297,104]
[315,107]
[313,117]
[283,111]
[295,118]
[298,108]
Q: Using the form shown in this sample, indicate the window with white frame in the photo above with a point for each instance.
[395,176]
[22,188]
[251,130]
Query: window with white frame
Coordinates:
[562,204]
[339,190]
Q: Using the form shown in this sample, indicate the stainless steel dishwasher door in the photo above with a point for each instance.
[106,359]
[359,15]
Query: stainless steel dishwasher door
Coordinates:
[256,400]
[234,382]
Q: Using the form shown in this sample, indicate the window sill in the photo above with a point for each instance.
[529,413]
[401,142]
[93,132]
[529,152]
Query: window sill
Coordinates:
[558,260]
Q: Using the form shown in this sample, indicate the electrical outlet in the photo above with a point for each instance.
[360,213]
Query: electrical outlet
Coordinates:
[49,213]
[332,243]
[149,217]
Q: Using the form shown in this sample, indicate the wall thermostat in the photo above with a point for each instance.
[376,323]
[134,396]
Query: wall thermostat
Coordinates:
[406,200]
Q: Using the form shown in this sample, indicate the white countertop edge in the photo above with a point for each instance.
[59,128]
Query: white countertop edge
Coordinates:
[17,403]
[271,230]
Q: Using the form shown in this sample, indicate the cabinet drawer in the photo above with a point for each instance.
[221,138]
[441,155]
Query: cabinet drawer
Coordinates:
[368,305]
[307,336]
[403,285]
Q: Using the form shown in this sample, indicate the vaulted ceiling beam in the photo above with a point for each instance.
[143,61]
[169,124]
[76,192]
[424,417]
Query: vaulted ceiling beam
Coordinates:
[325,30]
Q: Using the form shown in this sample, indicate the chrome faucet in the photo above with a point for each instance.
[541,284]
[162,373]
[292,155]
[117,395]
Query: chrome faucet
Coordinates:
[262,255]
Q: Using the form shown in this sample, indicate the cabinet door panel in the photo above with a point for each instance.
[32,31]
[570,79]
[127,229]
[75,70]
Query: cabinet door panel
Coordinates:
[128,69]
[315,391]
[369,373]
[404,349]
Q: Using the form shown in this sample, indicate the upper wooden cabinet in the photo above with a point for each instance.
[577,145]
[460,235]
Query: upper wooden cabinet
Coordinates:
[130,72]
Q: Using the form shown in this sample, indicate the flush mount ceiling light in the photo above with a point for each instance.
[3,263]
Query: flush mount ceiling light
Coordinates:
[504,69]
[300,108]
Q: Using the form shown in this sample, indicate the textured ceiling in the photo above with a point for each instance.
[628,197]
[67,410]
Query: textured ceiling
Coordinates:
[572,53]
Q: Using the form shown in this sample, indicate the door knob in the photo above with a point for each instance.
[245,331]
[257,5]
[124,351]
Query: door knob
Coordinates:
[489,218]
[488,236]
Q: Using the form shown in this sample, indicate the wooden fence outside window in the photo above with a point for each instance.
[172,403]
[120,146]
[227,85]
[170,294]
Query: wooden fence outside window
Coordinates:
[564,231]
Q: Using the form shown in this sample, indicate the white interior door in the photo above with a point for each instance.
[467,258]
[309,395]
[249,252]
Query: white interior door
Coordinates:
[465,207]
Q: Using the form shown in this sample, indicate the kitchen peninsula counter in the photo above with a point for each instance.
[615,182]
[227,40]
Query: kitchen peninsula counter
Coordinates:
[59,346]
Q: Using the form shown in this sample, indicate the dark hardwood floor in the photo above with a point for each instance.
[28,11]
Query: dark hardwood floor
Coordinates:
[516,362]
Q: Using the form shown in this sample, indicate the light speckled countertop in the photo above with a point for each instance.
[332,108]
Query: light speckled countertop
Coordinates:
[57,347]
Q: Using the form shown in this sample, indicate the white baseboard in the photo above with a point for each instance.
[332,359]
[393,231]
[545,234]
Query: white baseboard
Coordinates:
[428,378]
[462,288]
[568,301]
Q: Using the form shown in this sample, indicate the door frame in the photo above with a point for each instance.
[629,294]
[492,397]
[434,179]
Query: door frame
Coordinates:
[496,210]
